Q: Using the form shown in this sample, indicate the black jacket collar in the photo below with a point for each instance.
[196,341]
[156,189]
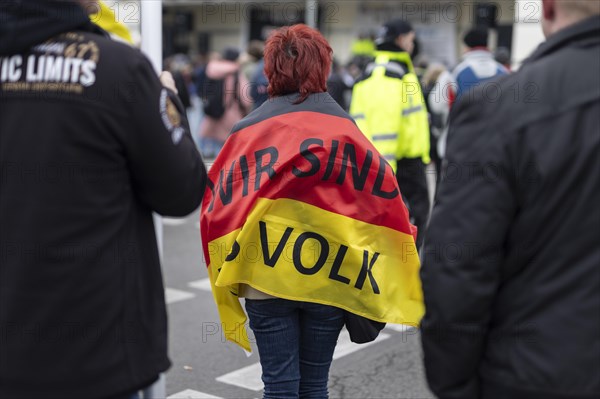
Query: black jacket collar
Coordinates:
[587,29]
[389,46]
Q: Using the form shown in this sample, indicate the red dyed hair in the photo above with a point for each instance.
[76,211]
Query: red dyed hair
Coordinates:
[297,59]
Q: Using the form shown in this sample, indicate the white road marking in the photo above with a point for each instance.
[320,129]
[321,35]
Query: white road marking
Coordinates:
[173,222]
[399,327]
[191,394]
[249,377]
[172,295]
[203,284]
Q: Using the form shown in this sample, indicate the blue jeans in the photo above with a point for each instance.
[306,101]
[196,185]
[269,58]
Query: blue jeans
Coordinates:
[295,344]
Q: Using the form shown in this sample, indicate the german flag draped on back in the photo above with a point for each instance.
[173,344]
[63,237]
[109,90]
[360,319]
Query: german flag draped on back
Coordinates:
[301,206]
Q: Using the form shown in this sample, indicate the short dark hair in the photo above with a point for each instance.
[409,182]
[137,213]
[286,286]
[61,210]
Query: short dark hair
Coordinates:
[476,37]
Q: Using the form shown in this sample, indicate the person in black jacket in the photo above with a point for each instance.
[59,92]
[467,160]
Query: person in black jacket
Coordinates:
[511,257]
[91,144]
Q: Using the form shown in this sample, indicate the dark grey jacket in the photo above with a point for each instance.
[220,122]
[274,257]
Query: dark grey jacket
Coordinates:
[511,271]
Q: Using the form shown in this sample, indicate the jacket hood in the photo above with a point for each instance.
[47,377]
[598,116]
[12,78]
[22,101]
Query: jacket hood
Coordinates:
[399,57]
[25,23]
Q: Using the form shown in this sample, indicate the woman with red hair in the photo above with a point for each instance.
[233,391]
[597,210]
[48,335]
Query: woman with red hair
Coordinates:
[297,60]
[304,219]
[295,339]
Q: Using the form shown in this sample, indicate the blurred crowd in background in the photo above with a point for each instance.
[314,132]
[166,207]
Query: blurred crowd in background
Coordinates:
[191,75]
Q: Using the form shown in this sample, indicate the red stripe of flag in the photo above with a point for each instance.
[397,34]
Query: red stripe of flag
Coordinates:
[286,133]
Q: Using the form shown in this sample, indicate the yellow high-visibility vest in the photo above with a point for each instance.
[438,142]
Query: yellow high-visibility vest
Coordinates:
[389,108]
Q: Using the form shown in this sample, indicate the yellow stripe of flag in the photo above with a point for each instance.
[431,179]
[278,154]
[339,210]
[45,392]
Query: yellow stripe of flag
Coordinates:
[293,250]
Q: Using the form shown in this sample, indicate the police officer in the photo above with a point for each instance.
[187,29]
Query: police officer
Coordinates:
[388,106]
[91,144]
